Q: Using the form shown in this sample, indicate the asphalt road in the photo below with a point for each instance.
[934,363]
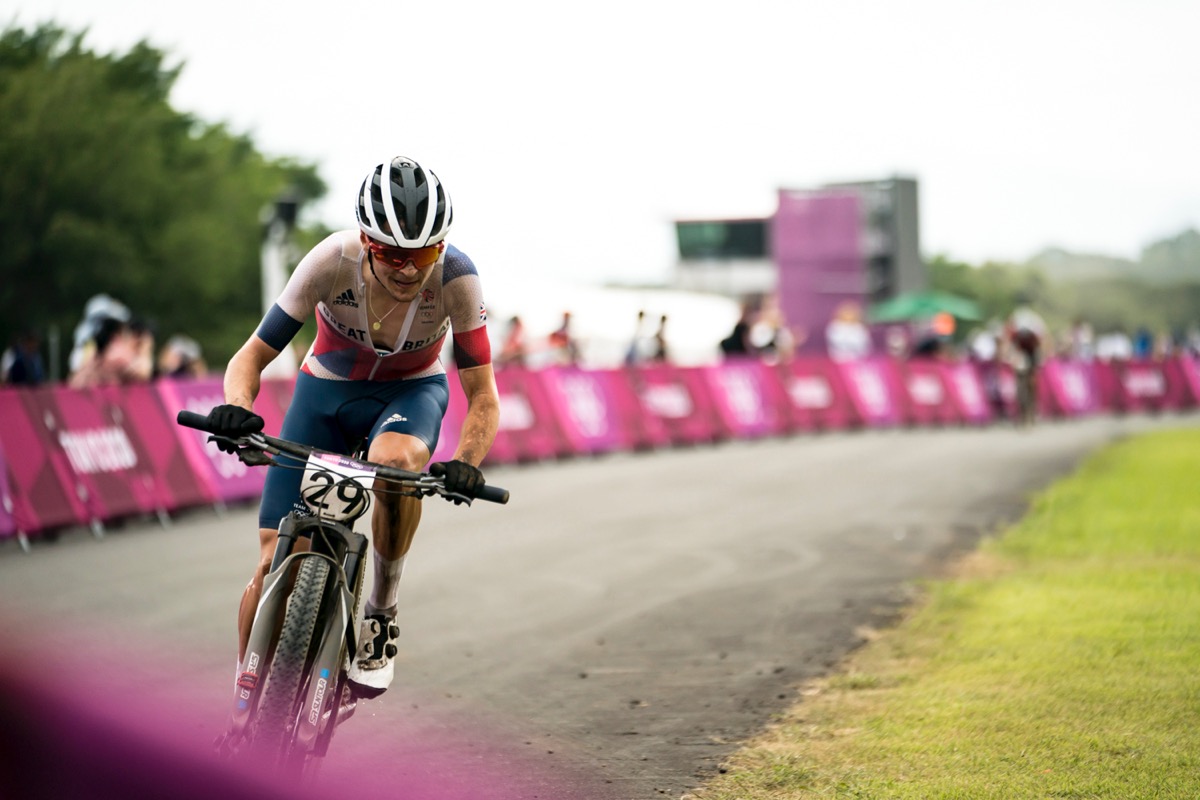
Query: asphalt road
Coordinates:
[611,634]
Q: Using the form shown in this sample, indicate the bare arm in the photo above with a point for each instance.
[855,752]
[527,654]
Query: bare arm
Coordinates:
[243,376]
[483,414]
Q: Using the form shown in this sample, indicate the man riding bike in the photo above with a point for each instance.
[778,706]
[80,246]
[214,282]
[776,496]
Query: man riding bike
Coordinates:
[384,297]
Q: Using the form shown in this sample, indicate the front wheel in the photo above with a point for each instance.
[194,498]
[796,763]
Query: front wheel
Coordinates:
[286,678]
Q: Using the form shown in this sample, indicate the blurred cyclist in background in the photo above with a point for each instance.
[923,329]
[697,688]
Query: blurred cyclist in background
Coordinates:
[385,296]
[1028,340]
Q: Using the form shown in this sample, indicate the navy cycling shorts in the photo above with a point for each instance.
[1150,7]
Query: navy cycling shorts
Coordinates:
[341,417]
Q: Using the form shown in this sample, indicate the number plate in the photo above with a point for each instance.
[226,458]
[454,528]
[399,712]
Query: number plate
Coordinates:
[336,487]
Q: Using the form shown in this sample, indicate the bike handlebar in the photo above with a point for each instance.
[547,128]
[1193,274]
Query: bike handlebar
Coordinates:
[266,444]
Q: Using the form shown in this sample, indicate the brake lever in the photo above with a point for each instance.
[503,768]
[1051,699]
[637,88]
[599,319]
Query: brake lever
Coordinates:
[429,485]
[254,456]
[456,498]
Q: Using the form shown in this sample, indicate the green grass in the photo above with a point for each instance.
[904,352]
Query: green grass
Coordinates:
[1062,662]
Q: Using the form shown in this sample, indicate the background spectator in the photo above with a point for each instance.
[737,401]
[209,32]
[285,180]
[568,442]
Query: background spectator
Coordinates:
[120,353]
[181,357]
[99,308]
[640,345]
[770,335]
[1114,346]
[513,350]
[737,343]
[22,364]
[846,336]
[1081,341]
[658,352]
[896,341]
[563,346]
[1143,343]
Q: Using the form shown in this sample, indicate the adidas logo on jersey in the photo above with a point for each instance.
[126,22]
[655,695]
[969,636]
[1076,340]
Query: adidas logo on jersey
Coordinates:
[346,298]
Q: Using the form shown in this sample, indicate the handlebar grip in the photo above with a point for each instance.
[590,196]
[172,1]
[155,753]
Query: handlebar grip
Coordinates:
[190,419]
[493,494]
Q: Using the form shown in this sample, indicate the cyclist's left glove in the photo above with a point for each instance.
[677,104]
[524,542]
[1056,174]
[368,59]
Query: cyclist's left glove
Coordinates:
[232,421]
[458,477]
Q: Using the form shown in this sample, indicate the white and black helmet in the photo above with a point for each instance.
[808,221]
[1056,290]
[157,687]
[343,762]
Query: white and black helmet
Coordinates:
[402,204]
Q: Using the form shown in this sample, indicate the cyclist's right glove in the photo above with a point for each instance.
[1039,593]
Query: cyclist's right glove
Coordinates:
[232,421]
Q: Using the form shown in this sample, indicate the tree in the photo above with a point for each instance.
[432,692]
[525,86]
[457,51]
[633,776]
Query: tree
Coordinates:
[1139,294]
[107,188]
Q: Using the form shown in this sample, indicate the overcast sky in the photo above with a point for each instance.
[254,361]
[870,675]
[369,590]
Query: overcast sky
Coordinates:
[571,138]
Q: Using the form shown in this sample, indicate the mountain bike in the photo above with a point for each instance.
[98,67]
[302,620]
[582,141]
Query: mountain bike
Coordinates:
[292,688]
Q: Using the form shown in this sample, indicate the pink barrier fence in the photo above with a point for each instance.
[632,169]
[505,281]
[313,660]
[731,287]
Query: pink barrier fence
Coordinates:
[678,400]
[45,491]
[816,395]
[85,457]
[8,525]
[749,399]
[876,391]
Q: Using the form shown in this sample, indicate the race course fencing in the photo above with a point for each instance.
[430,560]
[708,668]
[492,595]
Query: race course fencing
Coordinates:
[89,457]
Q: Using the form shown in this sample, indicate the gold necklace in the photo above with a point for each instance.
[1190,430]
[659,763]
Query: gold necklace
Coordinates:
[378,319]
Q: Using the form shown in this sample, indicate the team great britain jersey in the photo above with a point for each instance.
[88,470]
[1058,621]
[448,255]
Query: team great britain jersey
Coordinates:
[329,279]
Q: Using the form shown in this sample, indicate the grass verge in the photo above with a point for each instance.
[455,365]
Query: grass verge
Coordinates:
[1060,662]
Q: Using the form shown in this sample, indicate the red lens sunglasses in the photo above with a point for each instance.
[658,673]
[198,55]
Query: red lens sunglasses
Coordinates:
[398,257]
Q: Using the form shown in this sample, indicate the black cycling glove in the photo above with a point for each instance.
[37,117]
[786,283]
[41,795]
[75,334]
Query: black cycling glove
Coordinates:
[458,477]
[232,421]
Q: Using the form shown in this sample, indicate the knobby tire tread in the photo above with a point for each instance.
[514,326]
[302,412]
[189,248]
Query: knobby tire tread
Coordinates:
[277,709]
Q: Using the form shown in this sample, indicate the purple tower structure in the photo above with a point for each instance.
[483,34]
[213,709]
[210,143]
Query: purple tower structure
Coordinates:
[817,245]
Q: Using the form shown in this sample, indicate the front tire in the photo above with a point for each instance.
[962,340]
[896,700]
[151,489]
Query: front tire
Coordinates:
[277,711]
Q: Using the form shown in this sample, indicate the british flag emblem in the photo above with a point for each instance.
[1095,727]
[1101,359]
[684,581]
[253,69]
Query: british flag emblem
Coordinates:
[482,313]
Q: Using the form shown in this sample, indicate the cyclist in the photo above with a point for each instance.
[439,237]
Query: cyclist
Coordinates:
[384,296]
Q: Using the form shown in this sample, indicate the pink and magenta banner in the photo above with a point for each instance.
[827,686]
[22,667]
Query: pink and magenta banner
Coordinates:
[876,390]
[967,392]
[1183,375]
[593,408]
[815,395]
[678,399]
[1068,388]
[749,398]
[927,395]
[222,476]
[528,430]
[8,523]
[84,457]
[45,493]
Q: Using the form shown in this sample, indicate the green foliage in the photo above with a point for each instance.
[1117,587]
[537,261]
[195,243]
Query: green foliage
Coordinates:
[107,188]
[1174,259]
[1160,293]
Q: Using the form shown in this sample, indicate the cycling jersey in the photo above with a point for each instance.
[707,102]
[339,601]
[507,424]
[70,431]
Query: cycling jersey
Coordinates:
[330,279]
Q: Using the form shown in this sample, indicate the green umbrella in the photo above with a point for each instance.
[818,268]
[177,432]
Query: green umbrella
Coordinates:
[924,305]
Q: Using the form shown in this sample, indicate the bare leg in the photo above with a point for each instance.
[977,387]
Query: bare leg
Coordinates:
[266,539]
[394,519]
